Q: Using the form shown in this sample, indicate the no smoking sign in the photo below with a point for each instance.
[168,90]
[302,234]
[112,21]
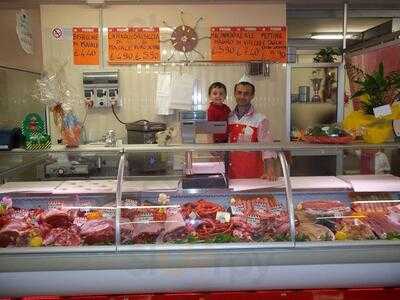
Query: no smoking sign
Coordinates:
[57,33]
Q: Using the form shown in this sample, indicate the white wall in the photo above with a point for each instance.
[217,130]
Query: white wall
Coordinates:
[138,90]
[11,53]
[16,97]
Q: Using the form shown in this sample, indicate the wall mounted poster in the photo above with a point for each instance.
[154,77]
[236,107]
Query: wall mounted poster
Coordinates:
[133,44]
[24,31]
[85,42]
[249,44]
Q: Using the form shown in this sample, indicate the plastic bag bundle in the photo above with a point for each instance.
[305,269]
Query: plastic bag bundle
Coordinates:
[71,130]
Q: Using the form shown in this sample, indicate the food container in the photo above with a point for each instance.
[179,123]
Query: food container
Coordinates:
[304,93]
[144,132]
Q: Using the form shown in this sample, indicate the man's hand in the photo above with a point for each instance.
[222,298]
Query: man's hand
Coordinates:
[269,171]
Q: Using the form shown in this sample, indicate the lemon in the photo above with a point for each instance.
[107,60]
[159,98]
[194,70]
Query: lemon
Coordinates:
[341,235]
[36,241]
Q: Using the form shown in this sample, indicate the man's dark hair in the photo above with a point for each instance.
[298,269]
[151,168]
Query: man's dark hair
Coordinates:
[217,84]
[245,83]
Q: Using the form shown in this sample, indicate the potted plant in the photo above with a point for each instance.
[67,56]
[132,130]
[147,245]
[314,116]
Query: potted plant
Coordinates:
[327,55]
[376,90]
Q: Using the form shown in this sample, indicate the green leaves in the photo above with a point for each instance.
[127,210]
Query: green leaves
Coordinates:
[327,55]
[376,86]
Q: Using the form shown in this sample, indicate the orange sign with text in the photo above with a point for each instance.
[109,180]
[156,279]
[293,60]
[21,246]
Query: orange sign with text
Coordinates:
[133,44]
[249,44]
[85,43]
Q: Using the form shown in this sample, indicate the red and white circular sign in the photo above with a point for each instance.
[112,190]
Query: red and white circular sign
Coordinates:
[57,33]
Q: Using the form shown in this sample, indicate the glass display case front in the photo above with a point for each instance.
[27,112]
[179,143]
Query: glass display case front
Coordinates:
[132,212]
[151,232]
[77,220]
[346,216]
[206,218]
[29,220]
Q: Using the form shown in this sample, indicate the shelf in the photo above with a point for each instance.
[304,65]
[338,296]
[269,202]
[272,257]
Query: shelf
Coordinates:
[130,148]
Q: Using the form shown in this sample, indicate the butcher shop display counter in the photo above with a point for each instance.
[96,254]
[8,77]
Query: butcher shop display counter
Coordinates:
[136,236]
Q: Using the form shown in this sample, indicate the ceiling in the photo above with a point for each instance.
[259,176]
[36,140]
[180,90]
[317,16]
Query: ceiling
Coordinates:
[353,4]
[291,4]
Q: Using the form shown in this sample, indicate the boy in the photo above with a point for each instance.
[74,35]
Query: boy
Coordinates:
[218,110]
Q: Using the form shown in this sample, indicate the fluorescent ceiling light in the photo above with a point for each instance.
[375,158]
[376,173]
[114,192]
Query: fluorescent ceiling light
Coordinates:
[331,36]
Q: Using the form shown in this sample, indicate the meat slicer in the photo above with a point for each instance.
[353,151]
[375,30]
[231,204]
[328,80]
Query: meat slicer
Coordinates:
[199,174]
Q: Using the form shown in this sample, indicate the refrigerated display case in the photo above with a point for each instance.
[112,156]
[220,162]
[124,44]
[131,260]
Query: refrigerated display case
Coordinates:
[137,235]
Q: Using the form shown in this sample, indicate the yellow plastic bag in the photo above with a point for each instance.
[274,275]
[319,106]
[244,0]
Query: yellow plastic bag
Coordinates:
[378,131]
[355,121]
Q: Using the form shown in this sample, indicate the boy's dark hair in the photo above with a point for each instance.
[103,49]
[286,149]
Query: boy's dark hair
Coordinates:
[217,84]
[253,88]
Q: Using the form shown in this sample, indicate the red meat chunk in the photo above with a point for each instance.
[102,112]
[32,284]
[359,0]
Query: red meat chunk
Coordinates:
[11,232]
[62,237]
[98,232]
[57,218]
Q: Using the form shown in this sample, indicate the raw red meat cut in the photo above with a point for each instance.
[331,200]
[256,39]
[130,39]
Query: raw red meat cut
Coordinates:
[11,232]
[174,226]
[98,231]
[62,237]
[381,224]
[323,207]
[147,231]
[57,218]
[372,206]
[126,229]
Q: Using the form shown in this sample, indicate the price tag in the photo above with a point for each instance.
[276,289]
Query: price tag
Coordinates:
[85,42]
[131,202]
[249,43]
[277,210]
[254,221]
[128,45]
[108,213]
[261,207]
[145,218]
[382,111]
[338,215]
[223,217]
[193,215]
[55,204]
[237,210]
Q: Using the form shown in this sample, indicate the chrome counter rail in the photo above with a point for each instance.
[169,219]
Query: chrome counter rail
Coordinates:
[118,197]
[204,147]
[289,195]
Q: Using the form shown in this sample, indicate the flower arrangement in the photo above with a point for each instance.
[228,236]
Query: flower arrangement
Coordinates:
[376,89]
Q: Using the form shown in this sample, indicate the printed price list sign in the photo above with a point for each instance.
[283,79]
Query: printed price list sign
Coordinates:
[133,44]
[249,44]
[85,45]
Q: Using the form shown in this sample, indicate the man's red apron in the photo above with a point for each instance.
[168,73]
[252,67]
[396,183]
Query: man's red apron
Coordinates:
[244,164]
